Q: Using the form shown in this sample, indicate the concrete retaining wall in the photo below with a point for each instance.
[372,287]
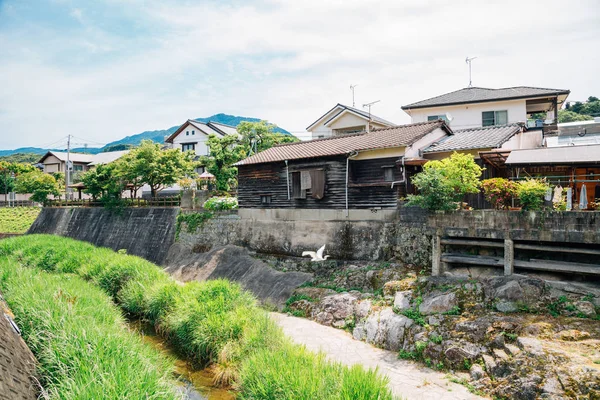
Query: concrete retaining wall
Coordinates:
[144,232]
[365,235]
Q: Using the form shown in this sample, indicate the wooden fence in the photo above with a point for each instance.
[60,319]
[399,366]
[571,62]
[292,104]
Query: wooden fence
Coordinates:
[174,201]
[17,203]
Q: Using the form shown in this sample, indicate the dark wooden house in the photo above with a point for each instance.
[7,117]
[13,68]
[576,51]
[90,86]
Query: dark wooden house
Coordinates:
[366,170]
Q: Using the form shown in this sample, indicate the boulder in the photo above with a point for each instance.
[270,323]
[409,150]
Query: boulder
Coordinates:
[573,335]
[438,303]
[506,306]
[362,309]
[386,329]
[336,309]
[457,354]
[586,308]
[530,345]
[359,332]
[476,372]
[402,300]
[475,330]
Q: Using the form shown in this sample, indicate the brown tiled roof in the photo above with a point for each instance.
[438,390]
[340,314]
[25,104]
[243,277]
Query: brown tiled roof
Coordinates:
[397,136]
[481,95]
[488,137]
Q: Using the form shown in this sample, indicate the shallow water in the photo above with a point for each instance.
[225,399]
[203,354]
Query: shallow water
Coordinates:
[195,384]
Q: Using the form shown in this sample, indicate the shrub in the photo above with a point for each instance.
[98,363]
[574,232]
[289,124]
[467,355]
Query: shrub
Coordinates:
[444,183]
[531,193]
[499,192]
[77,336]
[17,219]
[221,203]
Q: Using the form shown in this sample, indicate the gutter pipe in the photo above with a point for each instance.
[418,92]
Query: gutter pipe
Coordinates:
[352,154]
[287,174]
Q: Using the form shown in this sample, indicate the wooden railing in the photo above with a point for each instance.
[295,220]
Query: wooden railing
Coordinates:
[174,201]
[17,203]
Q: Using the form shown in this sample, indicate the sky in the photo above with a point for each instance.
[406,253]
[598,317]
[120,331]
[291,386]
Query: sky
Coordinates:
[105,69]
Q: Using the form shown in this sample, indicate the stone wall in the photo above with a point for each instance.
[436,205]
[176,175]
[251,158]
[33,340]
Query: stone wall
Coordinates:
[144,232]
[17,363]
[404,235]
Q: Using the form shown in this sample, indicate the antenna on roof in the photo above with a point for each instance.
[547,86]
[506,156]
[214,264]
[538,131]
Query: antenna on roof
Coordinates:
[468,61]
[369,105]
[352,88]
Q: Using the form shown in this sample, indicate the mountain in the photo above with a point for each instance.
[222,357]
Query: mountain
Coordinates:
[156,136]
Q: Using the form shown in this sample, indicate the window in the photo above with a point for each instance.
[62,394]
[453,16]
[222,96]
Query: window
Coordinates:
[265,199]
[436,117]
[297,192]
[193,132]
[491,118]
[188,146]
[388,173]
[77,167]
[187,133]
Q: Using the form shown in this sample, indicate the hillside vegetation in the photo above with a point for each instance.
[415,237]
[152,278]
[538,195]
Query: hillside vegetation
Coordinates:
[17,219]
[211,323]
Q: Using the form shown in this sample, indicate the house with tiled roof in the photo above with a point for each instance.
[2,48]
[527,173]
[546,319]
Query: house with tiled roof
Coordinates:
[344,120]
[352,171]
[193,135]
[476,107]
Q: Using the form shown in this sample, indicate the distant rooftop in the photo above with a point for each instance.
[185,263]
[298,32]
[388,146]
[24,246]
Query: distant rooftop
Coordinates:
[354,110]
[481,95]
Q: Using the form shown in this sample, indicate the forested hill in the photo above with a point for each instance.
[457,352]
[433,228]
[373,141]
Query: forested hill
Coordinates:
[156,136]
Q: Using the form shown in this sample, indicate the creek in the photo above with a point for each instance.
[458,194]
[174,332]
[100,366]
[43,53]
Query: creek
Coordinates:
[195,384]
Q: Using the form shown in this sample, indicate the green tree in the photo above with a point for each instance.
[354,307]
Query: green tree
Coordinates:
[259,136]
[39,184]
[253,138]
[224,152]
[8,173]
[571,116]
[103,182]
[443,183]
[160,168]
[128,168]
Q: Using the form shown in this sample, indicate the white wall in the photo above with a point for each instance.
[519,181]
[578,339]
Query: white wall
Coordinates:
[425,141]
[198,137]
[469,115]
[525,140]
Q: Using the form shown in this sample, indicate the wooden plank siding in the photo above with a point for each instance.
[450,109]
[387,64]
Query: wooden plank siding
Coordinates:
[367,187]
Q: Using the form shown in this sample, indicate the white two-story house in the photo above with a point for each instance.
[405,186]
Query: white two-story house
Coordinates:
[193,135]
[343,120]
[476,107]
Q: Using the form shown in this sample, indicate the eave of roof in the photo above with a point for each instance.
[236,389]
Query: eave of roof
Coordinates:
[551,92]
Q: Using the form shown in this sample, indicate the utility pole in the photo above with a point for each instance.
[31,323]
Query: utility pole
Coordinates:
[369,105]
[468,61]
[68,169]
[352,88]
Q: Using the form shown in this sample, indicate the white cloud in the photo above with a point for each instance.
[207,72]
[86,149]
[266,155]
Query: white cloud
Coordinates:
[285,61]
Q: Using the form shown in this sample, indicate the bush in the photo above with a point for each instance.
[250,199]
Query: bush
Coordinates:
[531,193]
[221,203]
[77,336]
[213,322]
[443,184]
[499,192]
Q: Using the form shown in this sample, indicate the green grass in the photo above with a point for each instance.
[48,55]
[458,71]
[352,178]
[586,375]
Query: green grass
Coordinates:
[17,219]
[213,322]
[79,339]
